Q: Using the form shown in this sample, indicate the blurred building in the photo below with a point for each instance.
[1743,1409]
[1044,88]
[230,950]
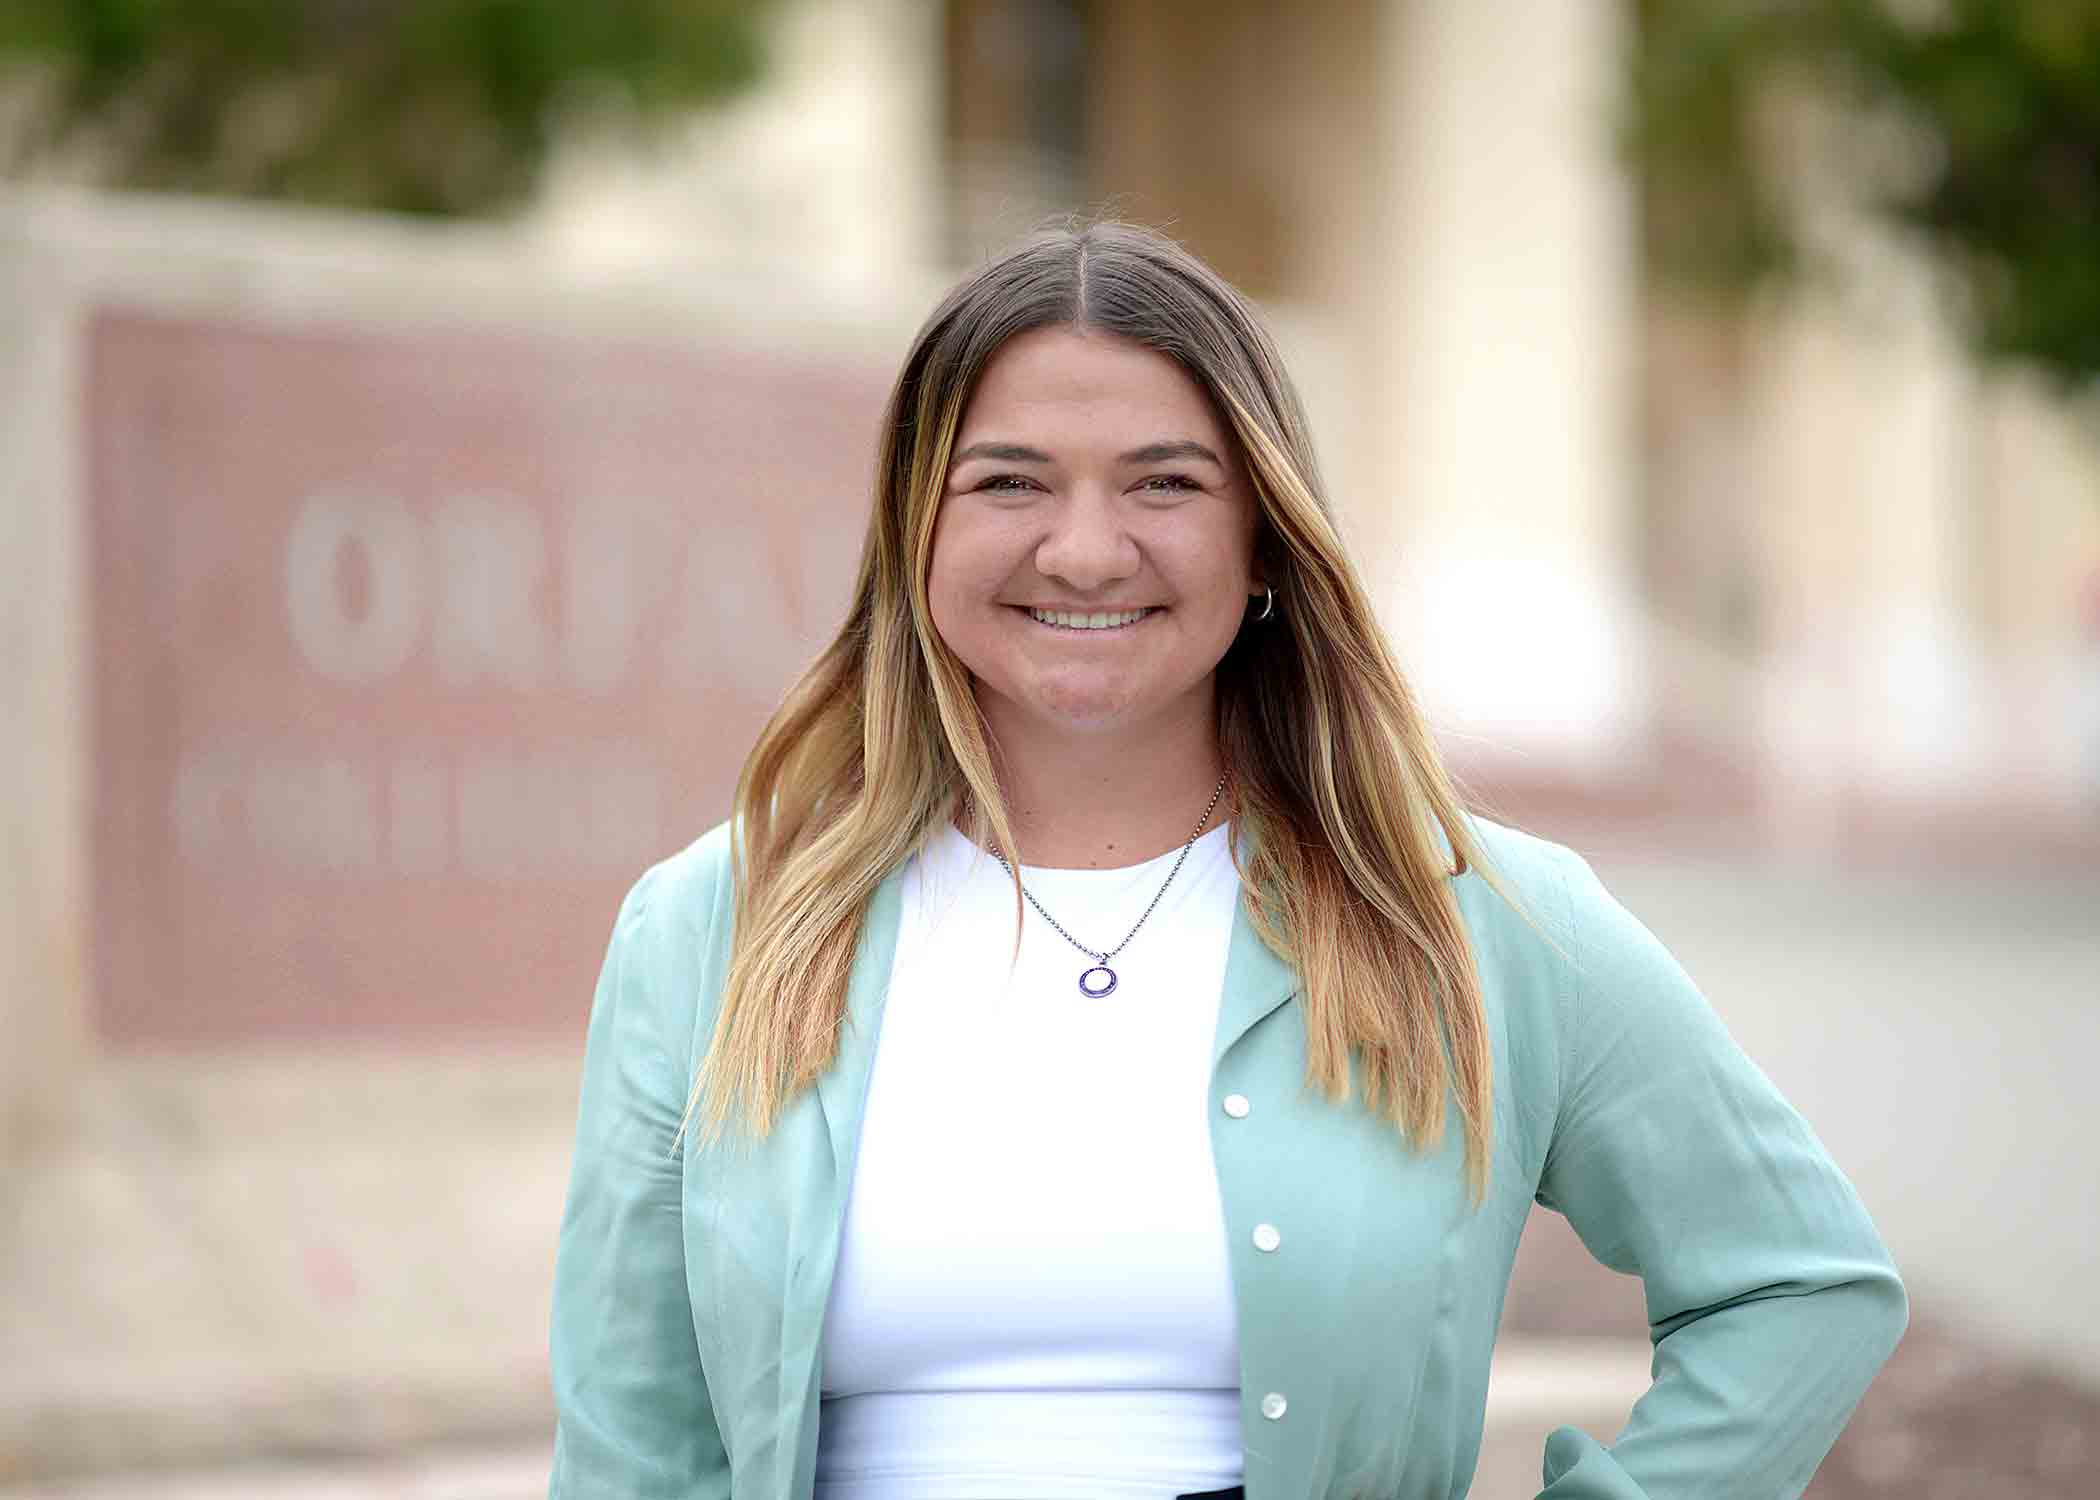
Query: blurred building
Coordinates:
[390,595]
[1805,566]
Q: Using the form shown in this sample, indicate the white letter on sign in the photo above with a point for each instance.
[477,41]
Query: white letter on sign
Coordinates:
[491,556]
[379,640]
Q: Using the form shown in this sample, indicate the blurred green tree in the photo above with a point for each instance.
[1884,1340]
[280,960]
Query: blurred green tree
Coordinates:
[436,107]
[1993,107]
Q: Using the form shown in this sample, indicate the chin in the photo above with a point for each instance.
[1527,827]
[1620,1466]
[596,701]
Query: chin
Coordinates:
[1072,709]
[1081,716]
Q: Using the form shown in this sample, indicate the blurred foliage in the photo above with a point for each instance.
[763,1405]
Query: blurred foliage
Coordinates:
[1975,123]
[436,107]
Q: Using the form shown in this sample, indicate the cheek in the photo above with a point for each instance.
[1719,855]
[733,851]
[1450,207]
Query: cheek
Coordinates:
[940,604]
[1219,606]
[960,577]
[1218,574]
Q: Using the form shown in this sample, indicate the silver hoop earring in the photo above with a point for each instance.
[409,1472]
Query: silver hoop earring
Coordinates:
[1268,604]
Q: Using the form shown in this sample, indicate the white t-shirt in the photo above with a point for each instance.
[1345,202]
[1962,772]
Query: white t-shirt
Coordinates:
[1033,1300]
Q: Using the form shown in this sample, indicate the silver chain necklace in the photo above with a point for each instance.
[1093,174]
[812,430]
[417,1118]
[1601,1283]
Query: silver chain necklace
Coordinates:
[1089,986]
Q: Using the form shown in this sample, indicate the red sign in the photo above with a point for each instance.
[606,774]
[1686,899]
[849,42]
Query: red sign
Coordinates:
[412,650]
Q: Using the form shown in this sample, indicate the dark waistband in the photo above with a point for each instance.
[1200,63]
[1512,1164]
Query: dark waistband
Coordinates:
[1237,1492]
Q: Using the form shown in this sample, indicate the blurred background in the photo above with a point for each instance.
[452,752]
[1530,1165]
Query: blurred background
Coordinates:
[433,433]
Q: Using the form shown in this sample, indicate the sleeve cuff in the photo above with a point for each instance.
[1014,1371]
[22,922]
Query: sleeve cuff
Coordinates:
[1578,1467]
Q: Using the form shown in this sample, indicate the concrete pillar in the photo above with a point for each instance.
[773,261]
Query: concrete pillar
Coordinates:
[1507,325]
[1871,458]
[1279,196]
[1918,660]
[44,956]
[2042,585]
[832,165]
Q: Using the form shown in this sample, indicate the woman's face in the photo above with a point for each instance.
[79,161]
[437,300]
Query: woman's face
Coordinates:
[1094,551]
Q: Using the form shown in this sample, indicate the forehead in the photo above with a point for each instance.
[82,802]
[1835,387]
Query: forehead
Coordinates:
[1089,381]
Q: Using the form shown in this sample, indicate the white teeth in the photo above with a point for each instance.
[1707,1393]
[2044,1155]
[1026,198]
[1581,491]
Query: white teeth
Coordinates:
[1096,621]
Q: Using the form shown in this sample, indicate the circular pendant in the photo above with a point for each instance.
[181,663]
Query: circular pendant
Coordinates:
[1093,988]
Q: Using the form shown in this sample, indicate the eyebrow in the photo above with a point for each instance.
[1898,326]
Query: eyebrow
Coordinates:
[1151,453]
[1013,453]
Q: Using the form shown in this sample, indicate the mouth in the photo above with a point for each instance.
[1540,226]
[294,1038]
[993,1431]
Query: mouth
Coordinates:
[1095,621]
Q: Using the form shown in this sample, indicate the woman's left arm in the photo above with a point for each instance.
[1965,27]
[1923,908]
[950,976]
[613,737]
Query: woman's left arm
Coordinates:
[1771,1299]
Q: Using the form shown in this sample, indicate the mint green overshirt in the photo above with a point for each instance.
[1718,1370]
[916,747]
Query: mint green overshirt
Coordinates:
[690,1285]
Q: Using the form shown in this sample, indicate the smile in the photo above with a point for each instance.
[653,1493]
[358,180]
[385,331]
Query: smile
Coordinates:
[1078,620]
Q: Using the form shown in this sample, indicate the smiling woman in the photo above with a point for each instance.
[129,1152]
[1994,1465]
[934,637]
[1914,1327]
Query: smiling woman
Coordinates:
[870,1202]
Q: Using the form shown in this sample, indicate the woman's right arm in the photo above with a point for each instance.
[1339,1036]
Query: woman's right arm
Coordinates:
[633,1419]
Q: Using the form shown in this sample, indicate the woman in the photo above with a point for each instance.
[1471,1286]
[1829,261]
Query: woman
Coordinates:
[1102,1058]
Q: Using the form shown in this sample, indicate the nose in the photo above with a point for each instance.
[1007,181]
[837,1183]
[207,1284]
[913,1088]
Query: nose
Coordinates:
[1087,548]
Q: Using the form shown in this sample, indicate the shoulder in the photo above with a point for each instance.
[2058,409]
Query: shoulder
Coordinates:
[1611,977]
[686,887]
[1554,891]
[1549,886]
[1522,887]
[668,950]
[1543,923]
[1519,913]
[1526,859]
[1591,999]
[681,905]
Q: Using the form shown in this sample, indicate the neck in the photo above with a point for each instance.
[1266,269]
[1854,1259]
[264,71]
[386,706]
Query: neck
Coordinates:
[1096,802]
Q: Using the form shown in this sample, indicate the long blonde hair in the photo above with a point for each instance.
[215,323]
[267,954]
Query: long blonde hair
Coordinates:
[1336,776]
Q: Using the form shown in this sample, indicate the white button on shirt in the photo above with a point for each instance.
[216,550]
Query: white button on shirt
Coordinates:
[1236,1106]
